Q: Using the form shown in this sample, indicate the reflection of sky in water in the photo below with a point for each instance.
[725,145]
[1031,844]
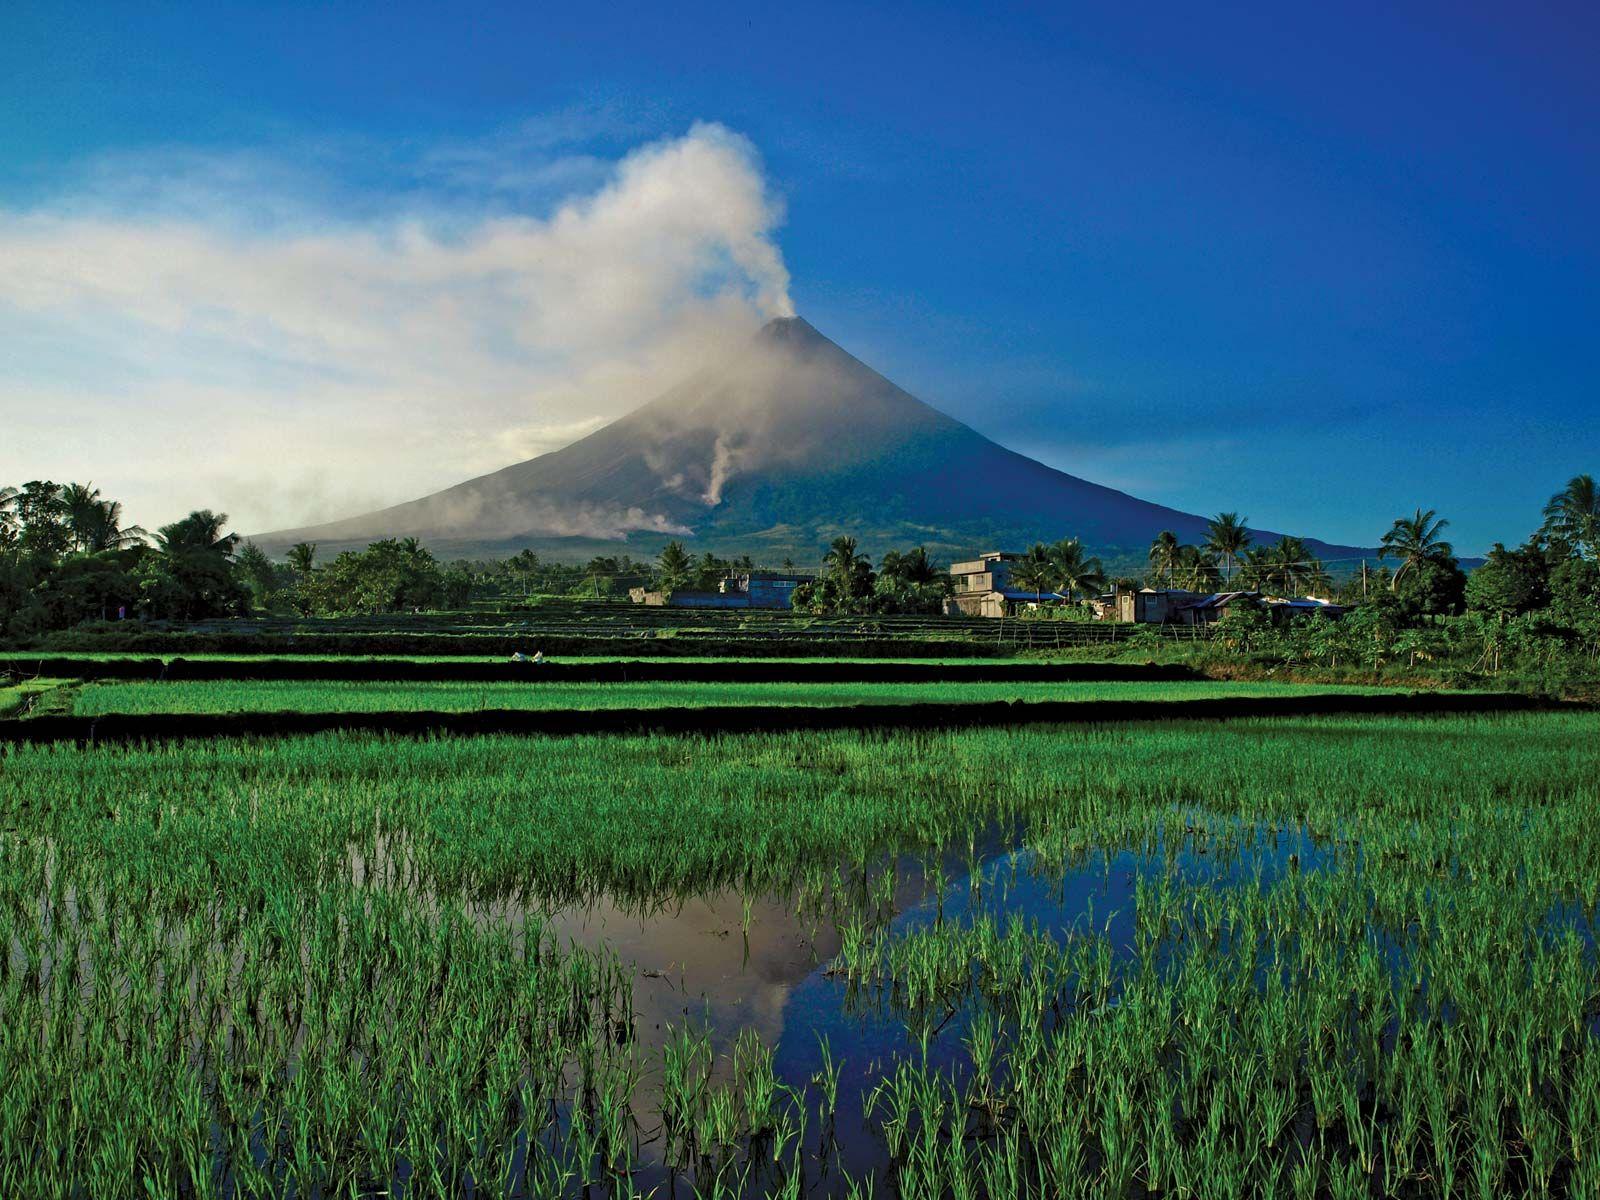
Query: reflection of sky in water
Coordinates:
[714,964]
[1096,894]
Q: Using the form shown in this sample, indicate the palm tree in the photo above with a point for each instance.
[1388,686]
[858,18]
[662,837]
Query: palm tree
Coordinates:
[1255,568]
[918,568]
[200,531]
[912,567]
[1196,569]
[674,567]
[1315,580]
[302,557]
[1573,515]
[1415,540]
[94,524]
[1227,537]
[851,572]
[841,560]
[1035,571]
[1164,555]
[1072,571]
[1289,569]
[103,529]
[80,505]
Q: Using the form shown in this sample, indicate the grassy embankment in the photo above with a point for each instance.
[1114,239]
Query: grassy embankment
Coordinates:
[36,696]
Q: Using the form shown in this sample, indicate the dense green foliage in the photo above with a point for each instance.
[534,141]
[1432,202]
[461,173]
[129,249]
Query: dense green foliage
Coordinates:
[65,558]
[388,576]
[906,582]
[321,965]
[1532,613]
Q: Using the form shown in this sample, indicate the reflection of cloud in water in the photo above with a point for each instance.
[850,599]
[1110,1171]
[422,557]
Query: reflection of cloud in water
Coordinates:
[695,962]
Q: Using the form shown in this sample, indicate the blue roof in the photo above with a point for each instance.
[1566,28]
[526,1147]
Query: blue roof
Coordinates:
[1014,594]
[1218,599]
[1309,605]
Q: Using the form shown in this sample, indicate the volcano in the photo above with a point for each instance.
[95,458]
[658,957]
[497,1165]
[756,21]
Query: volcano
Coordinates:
[787,444]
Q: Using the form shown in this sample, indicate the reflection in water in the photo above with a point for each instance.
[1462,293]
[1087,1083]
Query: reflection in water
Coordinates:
[711,962]
[768,972]
[727,966]
[1092,893]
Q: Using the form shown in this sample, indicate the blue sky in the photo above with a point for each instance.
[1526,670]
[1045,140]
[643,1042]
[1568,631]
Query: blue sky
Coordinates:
[1321,268]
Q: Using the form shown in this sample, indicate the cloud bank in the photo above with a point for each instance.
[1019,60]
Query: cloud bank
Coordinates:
[255,333]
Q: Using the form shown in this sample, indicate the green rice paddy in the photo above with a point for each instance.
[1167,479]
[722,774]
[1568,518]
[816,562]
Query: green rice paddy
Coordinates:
[1312,957]
[95,699]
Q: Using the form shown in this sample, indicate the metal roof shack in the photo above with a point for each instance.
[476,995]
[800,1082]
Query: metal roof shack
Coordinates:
[1206,609]
[1000,602]
[1151,606]
[1308,605]
[1202,610]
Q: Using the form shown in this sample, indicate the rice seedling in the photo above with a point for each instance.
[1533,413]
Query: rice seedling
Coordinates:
[1312,957]
[98,699]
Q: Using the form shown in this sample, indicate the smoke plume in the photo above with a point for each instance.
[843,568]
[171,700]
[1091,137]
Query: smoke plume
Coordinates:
[183,320]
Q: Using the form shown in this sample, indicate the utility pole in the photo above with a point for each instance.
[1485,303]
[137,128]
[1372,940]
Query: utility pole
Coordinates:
[1363,579]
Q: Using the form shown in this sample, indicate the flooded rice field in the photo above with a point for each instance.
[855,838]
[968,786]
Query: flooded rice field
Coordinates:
[1335,957]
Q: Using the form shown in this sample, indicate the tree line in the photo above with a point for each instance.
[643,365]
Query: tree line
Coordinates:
[68,556]
[1225,560]
[904,581]
[1533,610]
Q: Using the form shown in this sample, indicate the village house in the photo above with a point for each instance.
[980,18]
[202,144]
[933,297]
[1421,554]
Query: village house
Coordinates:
[1151,606]
[983,588]
[1173,606]
[743,589]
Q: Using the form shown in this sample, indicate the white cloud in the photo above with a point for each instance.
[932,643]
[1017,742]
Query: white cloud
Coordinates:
[247,331]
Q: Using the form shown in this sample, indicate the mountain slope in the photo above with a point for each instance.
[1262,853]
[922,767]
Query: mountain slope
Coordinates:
[789,443]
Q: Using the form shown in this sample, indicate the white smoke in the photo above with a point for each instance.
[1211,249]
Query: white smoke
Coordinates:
[257,330]
[722,464]
[509,517]
[493,511]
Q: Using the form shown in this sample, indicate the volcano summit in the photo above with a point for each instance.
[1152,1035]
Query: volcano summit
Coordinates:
[787,444]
